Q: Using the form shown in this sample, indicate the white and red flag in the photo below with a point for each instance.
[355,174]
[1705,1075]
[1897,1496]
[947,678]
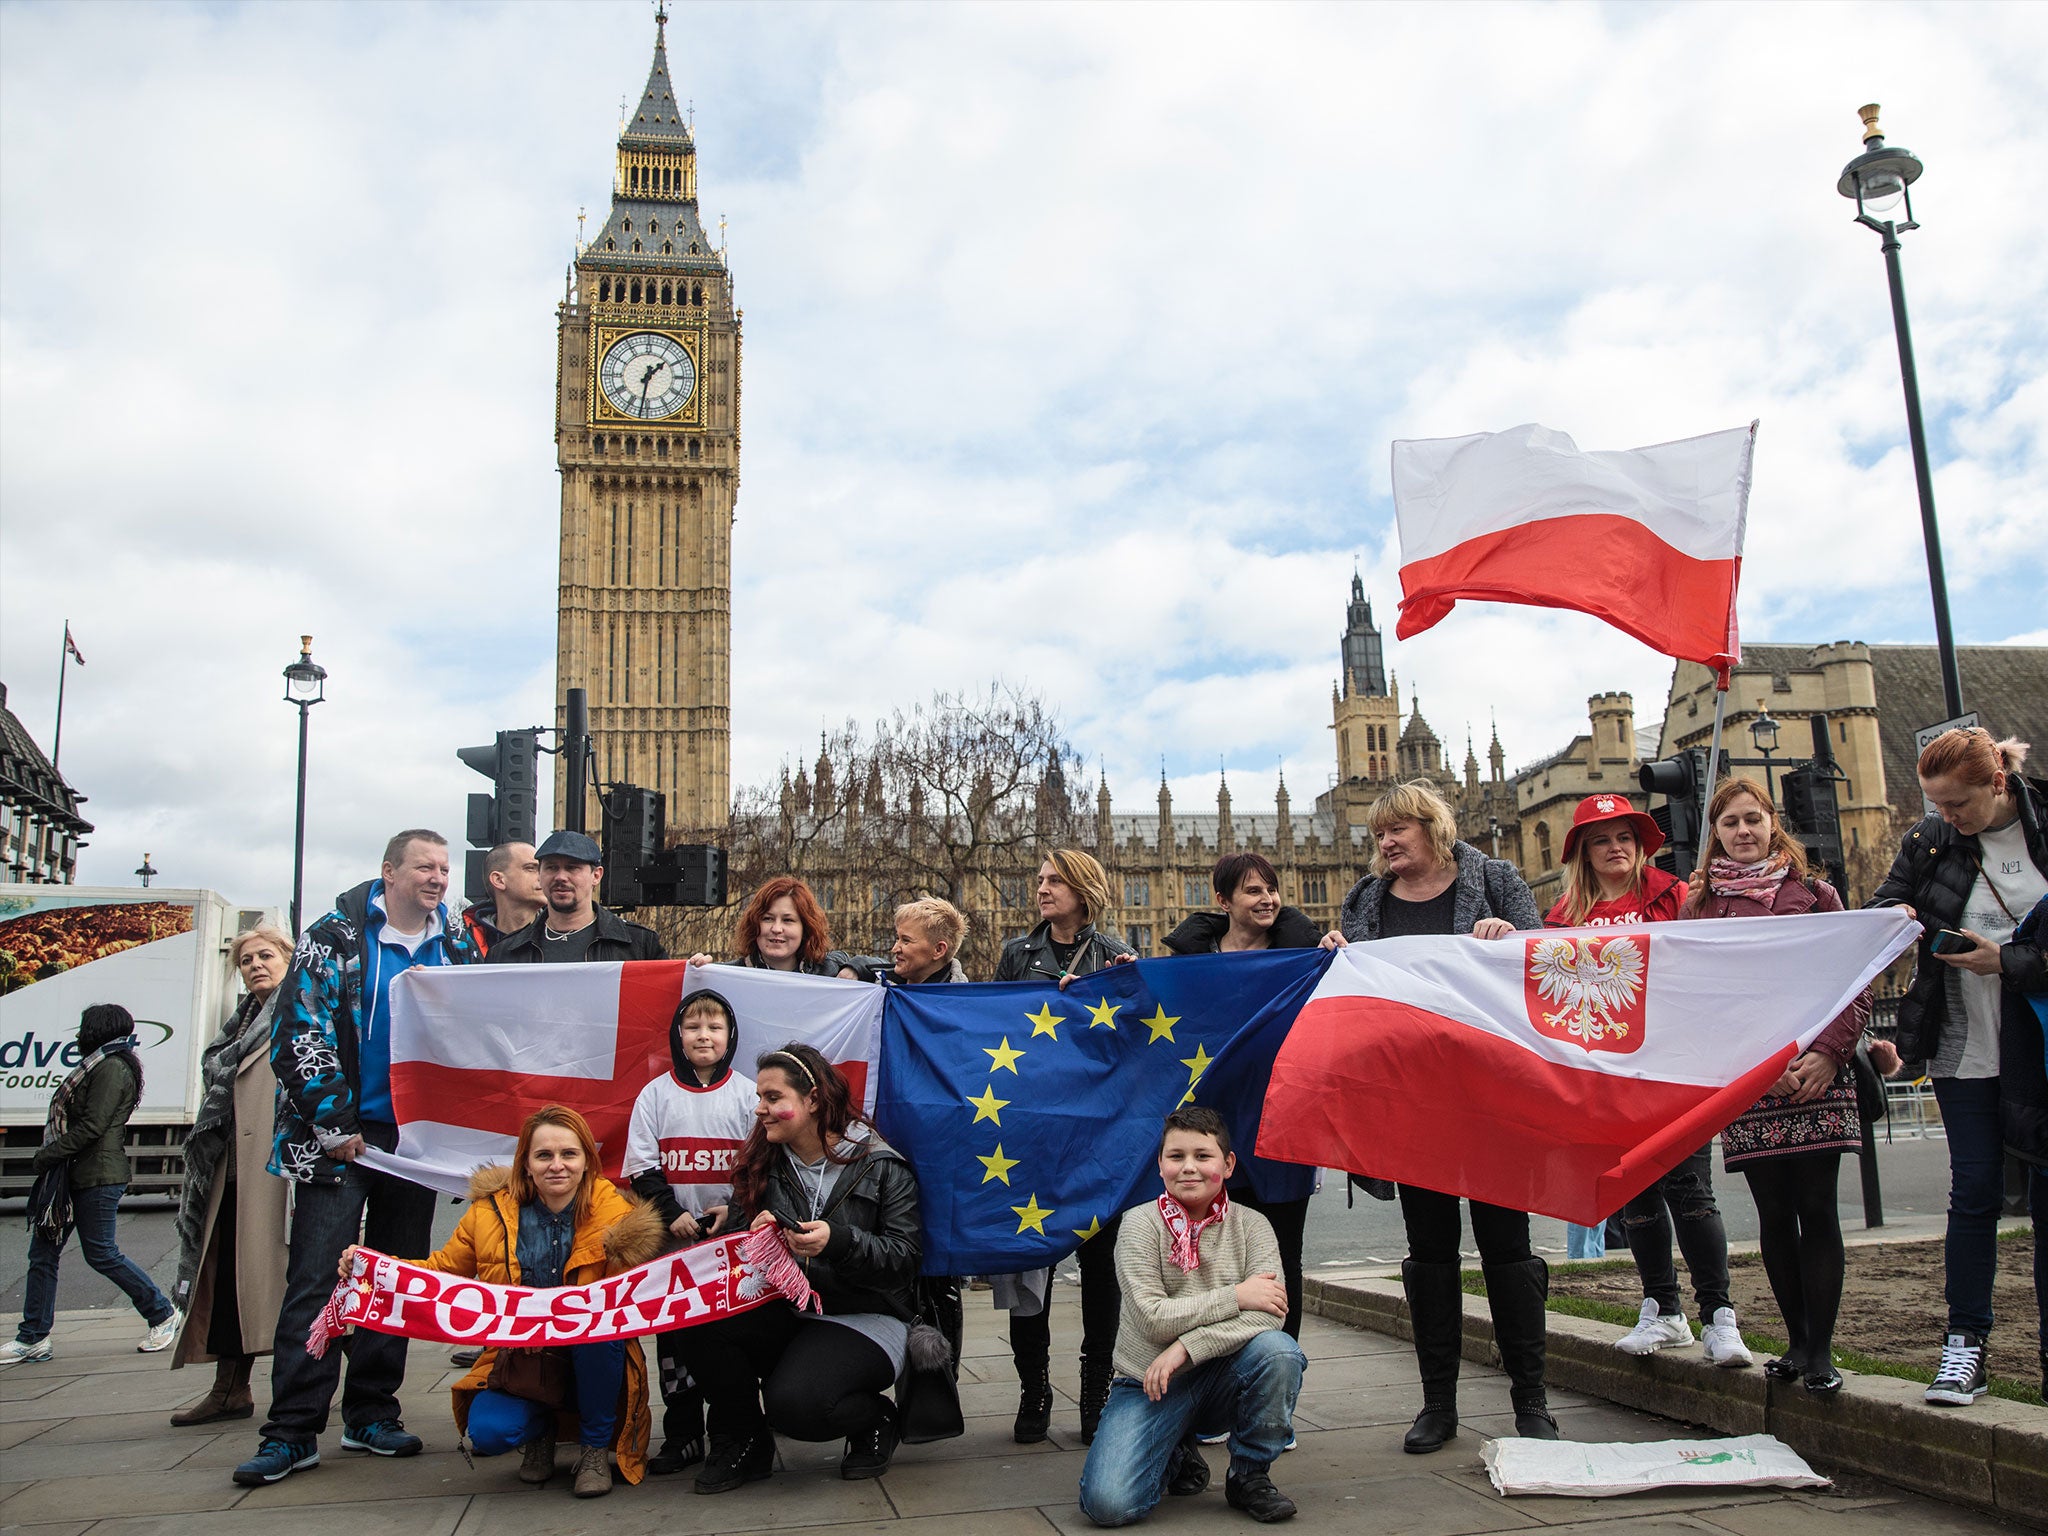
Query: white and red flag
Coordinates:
[1649,539]
[1560,1071]
[476,1049]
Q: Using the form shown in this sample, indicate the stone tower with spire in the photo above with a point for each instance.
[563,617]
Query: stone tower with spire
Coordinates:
[647,422]
[1365,712]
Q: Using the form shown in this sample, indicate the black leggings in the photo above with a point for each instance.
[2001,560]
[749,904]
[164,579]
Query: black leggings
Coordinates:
[1102,1304]
[810,1379]
[1289,1219]
[1434,1229]
[1800,1232]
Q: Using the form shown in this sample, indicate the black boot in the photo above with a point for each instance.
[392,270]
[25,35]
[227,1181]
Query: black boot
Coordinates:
[1034,1389]
[1516,1293]
[1095,1376]
[1436,1312]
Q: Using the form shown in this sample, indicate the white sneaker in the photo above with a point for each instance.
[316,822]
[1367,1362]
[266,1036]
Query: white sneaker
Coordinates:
[161,1336]
[1723,1341]
[1654,1331]
[14,1352]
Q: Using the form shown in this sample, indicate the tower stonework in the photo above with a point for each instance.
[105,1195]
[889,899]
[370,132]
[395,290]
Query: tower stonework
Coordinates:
[647,437]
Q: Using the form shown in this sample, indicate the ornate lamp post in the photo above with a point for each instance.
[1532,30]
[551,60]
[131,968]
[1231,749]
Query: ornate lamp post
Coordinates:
[1763,730]
[1880,180]
[305,684]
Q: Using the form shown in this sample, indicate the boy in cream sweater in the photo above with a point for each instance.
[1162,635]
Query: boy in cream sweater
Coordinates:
[1199,1349]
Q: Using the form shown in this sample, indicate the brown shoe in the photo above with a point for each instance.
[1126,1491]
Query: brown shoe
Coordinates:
[537,1459]
[228,1398]
[593,1472]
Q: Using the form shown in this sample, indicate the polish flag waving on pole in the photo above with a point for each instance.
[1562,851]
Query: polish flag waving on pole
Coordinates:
[1560,1071]
[1649,539]
[476,1049]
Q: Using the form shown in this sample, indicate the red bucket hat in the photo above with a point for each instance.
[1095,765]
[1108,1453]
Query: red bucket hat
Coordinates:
[1595,809]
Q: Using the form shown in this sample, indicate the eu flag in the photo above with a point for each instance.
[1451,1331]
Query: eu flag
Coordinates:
[1032,1115]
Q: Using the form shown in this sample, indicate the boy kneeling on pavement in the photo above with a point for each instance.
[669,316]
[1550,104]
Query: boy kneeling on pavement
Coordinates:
[1199,1348]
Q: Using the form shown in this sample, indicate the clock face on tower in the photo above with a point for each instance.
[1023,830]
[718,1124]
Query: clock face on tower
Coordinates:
[647,375]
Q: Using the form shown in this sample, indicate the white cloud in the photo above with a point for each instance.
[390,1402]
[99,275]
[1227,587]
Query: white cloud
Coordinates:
[1075,338]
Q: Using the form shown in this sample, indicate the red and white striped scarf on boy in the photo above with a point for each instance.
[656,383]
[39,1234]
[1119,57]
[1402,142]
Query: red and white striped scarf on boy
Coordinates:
[1186,1237]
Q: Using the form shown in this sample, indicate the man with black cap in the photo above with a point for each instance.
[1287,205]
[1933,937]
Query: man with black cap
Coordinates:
[572,926]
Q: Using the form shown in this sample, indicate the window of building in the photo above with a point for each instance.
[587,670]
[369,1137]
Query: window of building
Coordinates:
[696,290]
[1017,890]
[824,891]
[1543,843]
[1315,889]
[881,898]
[1137,891]
[1196,891]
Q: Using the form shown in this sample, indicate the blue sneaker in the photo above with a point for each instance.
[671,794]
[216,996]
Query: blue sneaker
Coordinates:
[386,1437]
[276,1460]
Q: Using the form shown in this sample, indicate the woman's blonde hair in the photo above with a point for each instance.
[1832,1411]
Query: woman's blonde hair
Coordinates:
[1414,801]
[1582,885]
[1088,879]
[1782,846]
[938,920]
[263,933]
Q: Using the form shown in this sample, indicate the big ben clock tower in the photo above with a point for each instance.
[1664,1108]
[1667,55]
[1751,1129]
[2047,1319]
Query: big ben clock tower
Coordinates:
[647,416]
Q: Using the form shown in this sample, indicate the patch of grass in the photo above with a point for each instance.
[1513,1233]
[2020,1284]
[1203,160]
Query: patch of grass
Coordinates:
[1764,1344]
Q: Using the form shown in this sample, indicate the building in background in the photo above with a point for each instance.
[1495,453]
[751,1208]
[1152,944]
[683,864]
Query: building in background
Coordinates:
[647,419]
[1873,698]
[40,828]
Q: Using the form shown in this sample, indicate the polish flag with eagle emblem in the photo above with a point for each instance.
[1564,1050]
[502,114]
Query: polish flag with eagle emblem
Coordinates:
[476,1049]
[1560,1071]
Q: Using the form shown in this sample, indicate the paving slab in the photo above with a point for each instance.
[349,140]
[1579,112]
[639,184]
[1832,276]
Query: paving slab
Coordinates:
[394,1517]
[46,1458]
[667,1507]
[177,1491]
[12,1434]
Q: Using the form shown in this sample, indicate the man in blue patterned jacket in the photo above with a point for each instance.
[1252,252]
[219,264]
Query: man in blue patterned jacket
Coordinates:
[331,1050]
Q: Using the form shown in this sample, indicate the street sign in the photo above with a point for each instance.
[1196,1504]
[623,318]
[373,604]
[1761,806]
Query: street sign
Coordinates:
[1924,737]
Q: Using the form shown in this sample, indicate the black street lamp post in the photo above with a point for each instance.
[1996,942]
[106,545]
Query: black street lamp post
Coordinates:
[1880,180]
[305,684]
[1763,730]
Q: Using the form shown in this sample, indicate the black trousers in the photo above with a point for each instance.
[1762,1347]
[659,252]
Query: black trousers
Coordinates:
[224,1325]
[1290,1220]
[1102,1304]
[1681,1201]
[810,1380]
[1434,1229]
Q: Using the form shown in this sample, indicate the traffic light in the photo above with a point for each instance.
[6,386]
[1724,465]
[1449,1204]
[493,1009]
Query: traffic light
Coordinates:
[687,875]
[1812,812]
[635,824]
[1682,780]
[507,815]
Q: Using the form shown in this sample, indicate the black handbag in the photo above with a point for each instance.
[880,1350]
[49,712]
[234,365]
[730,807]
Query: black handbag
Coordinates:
[537,1374]
[1872,1103]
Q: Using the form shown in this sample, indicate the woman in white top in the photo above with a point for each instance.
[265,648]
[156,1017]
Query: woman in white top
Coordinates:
[1970,872]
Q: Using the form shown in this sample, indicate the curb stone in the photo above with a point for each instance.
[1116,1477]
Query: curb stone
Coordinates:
[1992,1456]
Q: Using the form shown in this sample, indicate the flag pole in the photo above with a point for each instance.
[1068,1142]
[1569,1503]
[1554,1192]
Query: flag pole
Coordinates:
[63,666]
[1714,751]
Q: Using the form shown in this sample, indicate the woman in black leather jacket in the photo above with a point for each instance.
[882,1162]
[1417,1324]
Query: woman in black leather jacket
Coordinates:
[1975,869]
[847,1203]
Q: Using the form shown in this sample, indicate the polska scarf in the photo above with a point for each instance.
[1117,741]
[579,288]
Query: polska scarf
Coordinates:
[1758,881]
[700,1284]
[1186,1238]
[49,1203]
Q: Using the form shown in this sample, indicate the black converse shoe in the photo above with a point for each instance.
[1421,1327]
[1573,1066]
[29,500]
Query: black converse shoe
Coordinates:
[1961,1378]
[735,1462]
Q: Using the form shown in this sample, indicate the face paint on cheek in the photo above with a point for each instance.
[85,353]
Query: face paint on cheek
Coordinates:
[784,1113]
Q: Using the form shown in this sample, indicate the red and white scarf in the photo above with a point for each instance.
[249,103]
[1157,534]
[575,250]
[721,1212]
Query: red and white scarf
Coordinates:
[694,1285]
[1758,881]
[1185,1238]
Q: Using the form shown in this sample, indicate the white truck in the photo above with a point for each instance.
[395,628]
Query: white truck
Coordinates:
[162,955]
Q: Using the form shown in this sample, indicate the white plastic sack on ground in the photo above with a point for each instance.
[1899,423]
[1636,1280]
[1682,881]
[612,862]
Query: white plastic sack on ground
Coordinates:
[1589,1471]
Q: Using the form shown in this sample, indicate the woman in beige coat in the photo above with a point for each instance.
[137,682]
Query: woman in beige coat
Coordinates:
[231,1216]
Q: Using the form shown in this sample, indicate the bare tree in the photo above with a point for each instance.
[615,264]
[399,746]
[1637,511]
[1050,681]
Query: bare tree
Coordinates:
[956,798]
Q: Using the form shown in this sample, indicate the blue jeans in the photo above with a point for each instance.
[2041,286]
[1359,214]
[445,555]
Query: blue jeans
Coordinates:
[1250,1393]
[92,1213]
[1976,1195]
[500,1422]
[1585,1242]
[325,1219]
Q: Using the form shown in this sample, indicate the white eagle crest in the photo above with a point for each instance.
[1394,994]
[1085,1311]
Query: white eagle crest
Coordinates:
[1590,980]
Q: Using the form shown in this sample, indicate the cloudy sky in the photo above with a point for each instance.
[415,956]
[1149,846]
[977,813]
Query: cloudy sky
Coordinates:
[1075,340]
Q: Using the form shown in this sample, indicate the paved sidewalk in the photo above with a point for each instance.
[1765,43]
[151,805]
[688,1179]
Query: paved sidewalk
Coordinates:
[85,1446]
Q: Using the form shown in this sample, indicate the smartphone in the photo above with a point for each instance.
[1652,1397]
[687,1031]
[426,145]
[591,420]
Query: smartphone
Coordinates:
[1948,942]
[787,1224]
